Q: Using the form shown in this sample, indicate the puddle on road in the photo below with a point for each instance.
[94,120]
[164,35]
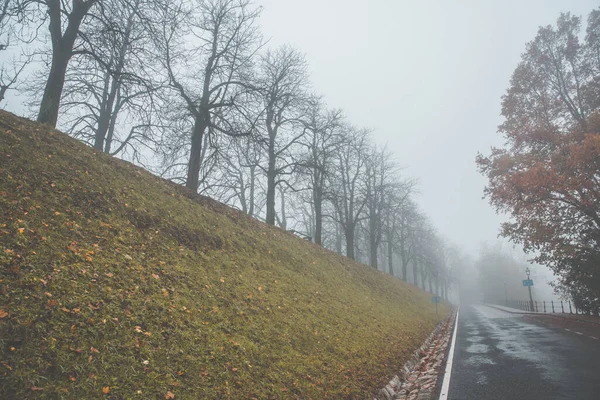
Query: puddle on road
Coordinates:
[475,339]
[476,361]
[478,348]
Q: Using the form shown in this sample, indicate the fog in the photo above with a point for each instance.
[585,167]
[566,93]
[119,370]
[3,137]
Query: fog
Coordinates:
[427,77]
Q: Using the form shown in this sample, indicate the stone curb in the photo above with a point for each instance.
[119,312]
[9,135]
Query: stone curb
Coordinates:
[419,376]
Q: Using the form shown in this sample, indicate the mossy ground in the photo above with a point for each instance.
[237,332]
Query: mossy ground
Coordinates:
[117,284]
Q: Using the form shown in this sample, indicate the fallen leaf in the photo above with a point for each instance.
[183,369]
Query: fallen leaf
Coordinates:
[169,395]
[35,388]
[94,350]
[106,390]
[3,313]
[259,288]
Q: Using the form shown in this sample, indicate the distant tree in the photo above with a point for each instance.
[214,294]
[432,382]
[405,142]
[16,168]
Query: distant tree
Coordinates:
[321,141]
[208,49]
[547,177]
[15,56]
[239,163]
[347,191]
[282,83]
[109,99]
[380,172]
[396,205]
[407,228]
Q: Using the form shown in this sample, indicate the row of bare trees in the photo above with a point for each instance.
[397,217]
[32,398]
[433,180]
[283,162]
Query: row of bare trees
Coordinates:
[190,89]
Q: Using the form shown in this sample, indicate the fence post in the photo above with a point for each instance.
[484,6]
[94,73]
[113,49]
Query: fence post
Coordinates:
[570,309]
[537,308]
[544,306]
[552,301]
[576,310]
[562,306]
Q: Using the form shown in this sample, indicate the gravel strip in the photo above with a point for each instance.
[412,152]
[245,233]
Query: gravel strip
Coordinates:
[419,376]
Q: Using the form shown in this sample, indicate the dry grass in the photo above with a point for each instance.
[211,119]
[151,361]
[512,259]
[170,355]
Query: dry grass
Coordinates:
[117,284]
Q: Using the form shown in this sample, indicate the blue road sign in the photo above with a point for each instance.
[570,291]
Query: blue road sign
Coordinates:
[527,282]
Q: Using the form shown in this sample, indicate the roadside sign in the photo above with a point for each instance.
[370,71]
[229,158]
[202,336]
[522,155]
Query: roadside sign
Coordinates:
[527,282]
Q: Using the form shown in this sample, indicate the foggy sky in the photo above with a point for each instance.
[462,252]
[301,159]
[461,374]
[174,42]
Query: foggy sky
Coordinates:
[427,77]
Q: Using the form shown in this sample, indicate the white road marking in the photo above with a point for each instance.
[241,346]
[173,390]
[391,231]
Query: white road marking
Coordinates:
[448,371]
[593,337]
[568,330]
[579,333]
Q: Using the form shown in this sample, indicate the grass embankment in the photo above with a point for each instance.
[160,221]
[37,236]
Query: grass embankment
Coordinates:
[117,284]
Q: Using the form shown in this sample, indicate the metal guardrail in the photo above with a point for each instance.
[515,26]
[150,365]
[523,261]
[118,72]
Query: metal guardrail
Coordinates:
[548,307]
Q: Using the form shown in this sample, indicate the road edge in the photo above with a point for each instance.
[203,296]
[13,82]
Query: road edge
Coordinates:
[448,370]
[553,315]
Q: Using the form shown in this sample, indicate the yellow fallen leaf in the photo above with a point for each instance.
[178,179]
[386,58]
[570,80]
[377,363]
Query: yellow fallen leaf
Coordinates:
[106,390]
[3,313]
[169,395]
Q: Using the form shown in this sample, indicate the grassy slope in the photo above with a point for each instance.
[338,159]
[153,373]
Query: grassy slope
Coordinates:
[117,284]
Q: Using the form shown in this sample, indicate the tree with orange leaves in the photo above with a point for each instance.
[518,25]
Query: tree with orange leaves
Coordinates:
[547,176]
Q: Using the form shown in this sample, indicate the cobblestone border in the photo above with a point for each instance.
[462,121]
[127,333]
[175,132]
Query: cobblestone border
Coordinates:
[418,378]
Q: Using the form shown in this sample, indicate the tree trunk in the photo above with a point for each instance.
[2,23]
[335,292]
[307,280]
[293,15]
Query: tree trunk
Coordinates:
[423,277]
[283,224]
[252,183]
[271,175]
[193,175]
[350,241]
[62,50]
[338,239]
[48,113]
[318,215]
[373,249]
[430,286]
[390,250]
[415,273]
[104,118]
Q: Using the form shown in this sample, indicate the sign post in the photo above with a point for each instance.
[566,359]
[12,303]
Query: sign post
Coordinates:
[529,283]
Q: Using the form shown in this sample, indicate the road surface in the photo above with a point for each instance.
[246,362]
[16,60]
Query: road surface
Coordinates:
[506,356]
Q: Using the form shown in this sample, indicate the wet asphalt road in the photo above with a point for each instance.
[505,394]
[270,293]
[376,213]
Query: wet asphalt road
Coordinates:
[504,356]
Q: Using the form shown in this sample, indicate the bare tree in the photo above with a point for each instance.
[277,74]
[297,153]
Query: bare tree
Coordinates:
[282,81]
[15,57]
[64,22]
[347,192]
[395,226]
[109,99]
[379,174]
[322,139]
[207,49]
[240,166]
